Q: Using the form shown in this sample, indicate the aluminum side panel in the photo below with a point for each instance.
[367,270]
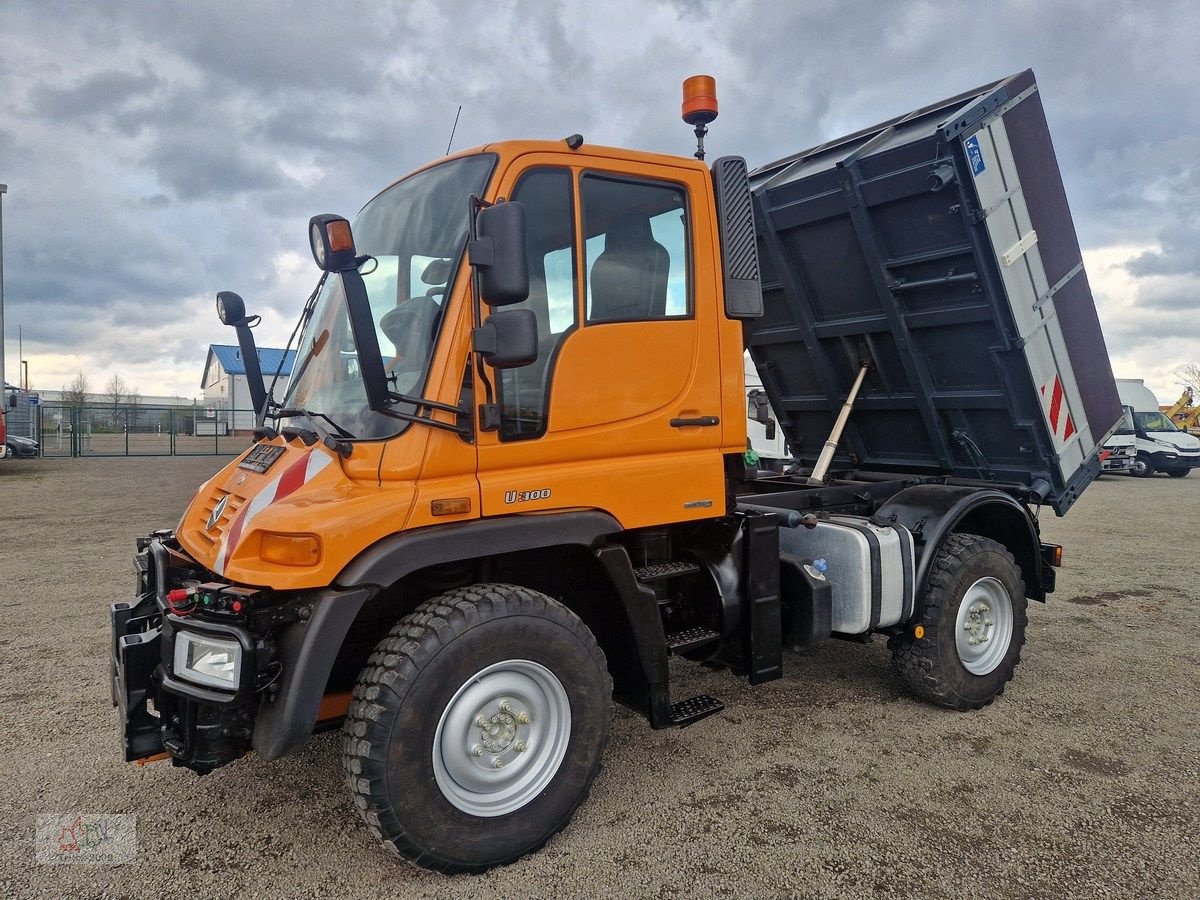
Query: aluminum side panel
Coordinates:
[1015,245]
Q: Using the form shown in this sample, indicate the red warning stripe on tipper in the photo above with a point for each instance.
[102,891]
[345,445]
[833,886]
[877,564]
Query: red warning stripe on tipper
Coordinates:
[1056,409]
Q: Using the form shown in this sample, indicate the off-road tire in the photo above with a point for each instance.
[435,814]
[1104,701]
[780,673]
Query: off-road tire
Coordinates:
[1142,467]
[930,666]
[399,700]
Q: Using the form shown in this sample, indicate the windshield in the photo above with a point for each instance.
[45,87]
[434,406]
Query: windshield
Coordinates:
[1125,426]
[416,230]
[1153,421]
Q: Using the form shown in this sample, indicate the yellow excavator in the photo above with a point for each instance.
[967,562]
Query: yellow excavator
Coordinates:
[1184,413]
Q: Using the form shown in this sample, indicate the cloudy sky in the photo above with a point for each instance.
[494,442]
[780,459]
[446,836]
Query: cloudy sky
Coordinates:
[158,152]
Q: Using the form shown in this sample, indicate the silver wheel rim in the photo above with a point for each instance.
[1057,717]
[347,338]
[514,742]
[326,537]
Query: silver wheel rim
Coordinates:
[501,738]
[984,626]
[1139,467]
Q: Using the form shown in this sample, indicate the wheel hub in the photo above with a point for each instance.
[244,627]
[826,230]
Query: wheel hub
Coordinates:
[504,730]
[984,627]
[501,738]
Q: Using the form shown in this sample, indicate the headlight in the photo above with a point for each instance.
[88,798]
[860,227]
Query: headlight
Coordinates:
[208,660]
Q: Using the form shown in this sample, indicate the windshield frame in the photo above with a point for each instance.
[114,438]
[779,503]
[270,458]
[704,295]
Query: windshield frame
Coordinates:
[331,303]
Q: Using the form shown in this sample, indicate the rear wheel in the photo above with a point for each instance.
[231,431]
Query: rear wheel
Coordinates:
[1178,473]
[477,727]
[1142,467]
[972,627]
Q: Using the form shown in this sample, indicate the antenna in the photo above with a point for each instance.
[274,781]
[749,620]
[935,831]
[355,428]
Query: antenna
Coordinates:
[700,106]
[453,129]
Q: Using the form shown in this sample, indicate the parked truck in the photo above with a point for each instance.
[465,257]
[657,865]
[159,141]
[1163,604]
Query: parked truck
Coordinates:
[1119,452]
[508,482]
[1161,445]
[763,434]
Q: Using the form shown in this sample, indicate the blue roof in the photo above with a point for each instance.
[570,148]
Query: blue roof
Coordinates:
[230,358]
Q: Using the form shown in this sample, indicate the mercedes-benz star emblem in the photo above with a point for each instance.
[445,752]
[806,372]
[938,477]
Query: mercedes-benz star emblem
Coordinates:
[215,516]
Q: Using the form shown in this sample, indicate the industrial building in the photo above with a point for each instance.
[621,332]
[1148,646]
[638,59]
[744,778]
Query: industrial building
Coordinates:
[227,404]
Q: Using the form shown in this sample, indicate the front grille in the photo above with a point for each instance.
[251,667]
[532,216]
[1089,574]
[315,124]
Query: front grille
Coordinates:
[210,537]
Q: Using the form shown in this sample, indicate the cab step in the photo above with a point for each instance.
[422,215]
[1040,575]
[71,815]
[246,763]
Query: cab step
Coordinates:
[665,570]
[692,710]
[691,639]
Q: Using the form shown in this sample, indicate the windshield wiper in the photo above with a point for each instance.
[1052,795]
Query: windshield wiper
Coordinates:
[291,413]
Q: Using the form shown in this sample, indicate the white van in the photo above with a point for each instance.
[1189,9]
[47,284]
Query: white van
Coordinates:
[1161,446]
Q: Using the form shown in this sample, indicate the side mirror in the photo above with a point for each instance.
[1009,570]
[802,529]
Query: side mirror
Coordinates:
[508,340]
[498,254]
[332,242]
[758,407]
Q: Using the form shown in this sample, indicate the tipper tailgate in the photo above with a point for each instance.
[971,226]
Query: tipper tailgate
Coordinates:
[940,246]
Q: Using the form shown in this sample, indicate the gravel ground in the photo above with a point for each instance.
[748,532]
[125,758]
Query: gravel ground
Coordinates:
[1082,780]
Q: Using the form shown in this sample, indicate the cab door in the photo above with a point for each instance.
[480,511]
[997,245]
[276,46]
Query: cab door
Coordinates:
[621,410]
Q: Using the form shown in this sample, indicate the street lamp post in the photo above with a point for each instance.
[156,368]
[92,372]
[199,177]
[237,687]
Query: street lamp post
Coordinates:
[3,191]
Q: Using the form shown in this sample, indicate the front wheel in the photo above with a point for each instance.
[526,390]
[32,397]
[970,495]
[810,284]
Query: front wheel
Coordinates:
[1142,467]
[477,727]
[972,627]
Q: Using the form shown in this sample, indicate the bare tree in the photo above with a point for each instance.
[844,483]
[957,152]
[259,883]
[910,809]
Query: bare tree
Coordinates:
[114,393]
[133,402]
[1188,377]
[76,394]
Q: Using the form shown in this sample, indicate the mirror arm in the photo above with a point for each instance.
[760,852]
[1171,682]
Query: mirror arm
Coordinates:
[362,325]
[488,410]
[254,378]
[461,430]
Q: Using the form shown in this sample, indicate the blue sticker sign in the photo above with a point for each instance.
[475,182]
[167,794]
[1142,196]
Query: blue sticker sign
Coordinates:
[974,155]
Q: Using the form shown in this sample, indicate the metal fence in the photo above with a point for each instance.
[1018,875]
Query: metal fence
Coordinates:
[99,430]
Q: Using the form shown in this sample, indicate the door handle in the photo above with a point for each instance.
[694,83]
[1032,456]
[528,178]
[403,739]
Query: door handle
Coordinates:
[701,422]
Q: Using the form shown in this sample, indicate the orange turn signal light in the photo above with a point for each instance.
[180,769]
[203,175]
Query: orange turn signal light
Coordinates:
[290,549]
[699,99]
[919,632]
[454,506]
[340,237]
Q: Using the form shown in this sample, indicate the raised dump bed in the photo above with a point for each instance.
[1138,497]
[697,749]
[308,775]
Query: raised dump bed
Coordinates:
[939,246]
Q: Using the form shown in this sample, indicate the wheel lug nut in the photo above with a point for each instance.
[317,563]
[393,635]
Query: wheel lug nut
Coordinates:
[519,746]
[505,705]
[481,721]
[990,622]
[477,750]
[524,718]
[497,762]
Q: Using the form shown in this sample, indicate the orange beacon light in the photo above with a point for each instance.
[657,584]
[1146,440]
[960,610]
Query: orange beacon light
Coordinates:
[699,106]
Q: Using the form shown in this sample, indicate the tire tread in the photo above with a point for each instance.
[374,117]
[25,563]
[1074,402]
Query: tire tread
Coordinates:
[383,684]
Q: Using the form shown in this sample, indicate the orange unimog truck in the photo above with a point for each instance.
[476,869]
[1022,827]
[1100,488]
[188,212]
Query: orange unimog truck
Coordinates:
[508,480]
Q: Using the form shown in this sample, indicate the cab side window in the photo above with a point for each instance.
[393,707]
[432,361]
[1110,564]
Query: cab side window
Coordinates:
[637,249]
[524,393]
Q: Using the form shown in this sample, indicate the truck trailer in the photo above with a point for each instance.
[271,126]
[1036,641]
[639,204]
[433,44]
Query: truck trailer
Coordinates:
[508,479]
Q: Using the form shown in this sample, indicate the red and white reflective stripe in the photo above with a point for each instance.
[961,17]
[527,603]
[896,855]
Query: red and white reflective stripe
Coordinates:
[286,482]
[1055,411]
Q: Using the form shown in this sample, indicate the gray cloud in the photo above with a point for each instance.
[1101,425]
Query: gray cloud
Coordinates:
[157,153]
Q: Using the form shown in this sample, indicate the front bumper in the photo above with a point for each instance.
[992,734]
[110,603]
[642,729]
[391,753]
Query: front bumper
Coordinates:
[200,727]
[1165,459]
